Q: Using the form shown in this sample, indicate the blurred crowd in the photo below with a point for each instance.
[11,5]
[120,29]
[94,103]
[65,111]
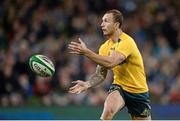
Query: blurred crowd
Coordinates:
[46,27]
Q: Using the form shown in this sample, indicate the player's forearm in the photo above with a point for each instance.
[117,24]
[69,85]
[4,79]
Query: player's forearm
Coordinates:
[97,77]
[105,61]
[94,80]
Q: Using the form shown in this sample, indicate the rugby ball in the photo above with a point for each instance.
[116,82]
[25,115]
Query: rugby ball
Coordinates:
[41,65]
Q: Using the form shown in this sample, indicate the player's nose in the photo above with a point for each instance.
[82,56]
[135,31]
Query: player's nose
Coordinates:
[102,24]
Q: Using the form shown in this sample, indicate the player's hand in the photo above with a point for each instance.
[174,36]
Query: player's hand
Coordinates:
[78,47]
[79,87]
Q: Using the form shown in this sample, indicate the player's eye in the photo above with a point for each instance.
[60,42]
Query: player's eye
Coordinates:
[105,20]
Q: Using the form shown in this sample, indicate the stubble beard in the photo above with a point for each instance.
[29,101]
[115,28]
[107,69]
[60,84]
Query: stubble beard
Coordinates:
[108,35]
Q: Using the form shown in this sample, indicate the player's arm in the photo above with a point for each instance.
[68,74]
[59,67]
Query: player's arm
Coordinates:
[98,77]
[107,61]
[94,80]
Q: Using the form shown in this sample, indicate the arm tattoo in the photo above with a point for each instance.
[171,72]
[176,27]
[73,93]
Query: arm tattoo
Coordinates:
[98,76]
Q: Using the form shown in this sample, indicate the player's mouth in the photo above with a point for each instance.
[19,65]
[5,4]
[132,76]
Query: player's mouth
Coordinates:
[103,29]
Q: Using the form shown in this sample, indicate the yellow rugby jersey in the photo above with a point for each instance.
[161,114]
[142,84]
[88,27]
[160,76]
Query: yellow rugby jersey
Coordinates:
[130,73]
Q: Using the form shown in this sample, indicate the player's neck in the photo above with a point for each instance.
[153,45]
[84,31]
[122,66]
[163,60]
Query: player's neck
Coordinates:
[115,37]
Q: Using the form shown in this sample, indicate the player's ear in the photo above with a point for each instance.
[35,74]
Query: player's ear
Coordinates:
[117,24]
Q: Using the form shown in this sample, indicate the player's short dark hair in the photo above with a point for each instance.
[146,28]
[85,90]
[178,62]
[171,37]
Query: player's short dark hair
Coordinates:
[117,15]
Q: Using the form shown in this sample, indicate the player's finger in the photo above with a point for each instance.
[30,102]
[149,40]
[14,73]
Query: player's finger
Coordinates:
[74,43]
[78,92]
[71,91]
[74,90]
[74,52]
[80,40]
[74,49]
[78,49]
[74,87]
[72,46]
[78,81]
[74,82]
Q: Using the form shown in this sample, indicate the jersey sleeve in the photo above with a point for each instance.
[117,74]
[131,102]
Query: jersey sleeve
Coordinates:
[125,47]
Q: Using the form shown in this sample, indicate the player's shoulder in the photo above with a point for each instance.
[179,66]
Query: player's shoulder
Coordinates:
[105,44]
[126,36]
